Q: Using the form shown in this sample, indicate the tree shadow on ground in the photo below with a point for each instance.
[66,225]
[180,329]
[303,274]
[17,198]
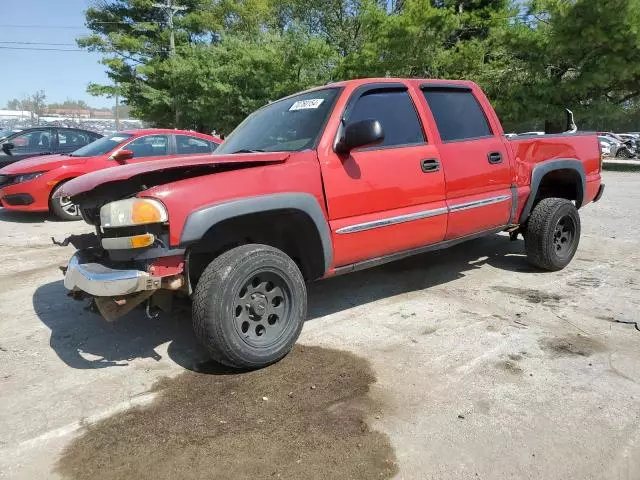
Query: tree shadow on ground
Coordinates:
[83,340]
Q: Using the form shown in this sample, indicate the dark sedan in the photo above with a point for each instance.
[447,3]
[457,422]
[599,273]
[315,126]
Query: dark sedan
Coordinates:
[36,141]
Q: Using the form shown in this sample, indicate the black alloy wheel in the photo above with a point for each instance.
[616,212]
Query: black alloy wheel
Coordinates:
[262,308]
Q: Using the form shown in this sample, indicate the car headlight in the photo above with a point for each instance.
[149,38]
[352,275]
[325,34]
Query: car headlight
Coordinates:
[25,177]
[132,211]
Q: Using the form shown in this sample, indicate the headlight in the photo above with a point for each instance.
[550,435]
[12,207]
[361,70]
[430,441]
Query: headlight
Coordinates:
[25,177]
[133,211]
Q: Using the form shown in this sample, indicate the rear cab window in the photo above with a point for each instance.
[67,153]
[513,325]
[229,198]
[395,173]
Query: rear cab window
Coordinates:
[458,114]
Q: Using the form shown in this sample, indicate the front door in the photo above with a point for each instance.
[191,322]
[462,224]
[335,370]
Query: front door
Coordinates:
[389,197]
[27,144]
[148,148]
[475,162]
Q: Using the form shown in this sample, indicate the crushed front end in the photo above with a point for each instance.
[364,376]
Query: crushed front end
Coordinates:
[128,260]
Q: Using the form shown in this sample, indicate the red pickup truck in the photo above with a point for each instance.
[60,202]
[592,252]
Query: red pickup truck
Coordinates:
[324,182]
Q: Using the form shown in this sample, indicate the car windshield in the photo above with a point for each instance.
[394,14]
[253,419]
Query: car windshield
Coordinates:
[291,124]
[6,132]
[101,146]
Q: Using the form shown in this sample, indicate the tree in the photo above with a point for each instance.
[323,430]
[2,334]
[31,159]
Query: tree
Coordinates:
[580,54]
[14,104]
[33,103]
[37,105]
[233,56]
[70,103]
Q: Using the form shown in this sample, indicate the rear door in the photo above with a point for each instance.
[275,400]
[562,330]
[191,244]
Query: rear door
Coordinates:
[389,197]
[475,161]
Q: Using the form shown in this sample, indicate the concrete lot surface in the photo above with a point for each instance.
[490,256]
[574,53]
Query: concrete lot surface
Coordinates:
[461,364]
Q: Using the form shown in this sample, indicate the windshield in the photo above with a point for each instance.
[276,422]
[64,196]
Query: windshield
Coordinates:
[6,132]
[292,124]
[101,146]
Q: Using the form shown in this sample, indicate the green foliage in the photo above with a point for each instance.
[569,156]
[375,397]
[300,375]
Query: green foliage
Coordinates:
[232,56]
[33,103]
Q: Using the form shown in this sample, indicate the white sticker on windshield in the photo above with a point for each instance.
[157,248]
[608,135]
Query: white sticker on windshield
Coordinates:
[118,139]
[306,104]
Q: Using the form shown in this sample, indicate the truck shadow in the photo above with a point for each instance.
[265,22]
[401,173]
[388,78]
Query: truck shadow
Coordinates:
[83,340]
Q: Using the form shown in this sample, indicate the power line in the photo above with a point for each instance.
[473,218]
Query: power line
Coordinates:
[39,43]
[43,26]
[79,27]
[45,49]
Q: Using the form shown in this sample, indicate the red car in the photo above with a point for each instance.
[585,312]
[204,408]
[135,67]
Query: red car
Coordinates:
[29,185]
[329,181]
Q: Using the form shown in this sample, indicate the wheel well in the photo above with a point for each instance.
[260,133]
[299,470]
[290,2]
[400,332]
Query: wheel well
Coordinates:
[56,186]
[291,231]
[561,183]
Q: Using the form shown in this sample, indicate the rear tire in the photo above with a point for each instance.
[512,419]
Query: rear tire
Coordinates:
[249,306]
[63,208]
[552,234]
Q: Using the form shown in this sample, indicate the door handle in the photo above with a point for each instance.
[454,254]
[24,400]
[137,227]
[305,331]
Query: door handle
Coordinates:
[429,165]
[494,157]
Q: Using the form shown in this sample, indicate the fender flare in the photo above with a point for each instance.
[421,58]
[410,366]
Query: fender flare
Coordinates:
[200,221]
[540,170]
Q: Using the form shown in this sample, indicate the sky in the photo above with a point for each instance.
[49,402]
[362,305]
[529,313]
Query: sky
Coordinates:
[61,75]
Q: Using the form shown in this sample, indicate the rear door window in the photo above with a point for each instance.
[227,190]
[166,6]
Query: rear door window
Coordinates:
[187,145]
[72,139]
[458,114]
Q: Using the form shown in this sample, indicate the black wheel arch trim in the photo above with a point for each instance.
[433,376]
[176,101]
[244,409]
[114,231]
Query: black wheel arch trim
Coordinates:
[201,221]
[540,170]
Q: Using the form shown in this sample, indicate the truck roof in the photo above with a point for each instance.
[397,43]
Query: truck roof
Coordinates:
[412,81]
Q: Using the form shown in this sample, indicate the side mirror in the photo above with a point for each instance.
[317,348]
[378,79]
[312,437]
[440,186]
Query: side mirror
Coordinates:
[360,134]
[122,155]
[7,147]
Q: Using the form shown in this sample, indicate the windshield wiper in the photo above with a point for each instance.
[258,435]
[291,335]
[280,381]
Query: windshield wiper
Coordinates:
[248,150]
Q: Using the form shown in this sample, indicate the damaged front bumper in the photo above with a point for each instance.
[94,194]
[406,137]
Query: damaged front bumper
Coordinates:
[101,281]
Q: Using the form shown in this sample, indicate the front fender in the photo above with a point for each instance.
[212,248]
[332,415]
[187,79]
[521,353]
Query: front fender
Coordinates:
[200,221]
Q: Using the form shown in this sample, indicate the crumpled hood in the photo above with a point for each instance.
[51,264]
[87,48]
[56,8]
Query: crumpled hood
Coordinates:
[43,163]
[88,182]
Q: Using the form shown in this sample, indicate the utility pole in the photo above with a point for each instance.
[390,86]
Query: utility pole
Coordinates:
[117,111]
[170,9]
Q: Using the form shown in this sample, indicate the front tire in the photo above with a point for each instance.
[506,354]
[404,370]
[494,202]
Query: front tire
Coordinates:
[63,207]
[624,153]
[249,306]
[552,234]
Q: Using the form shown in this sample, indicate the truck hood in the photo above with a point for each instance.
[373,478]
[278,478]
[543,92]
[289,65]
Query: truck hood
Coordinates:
[42,163]
[203,163]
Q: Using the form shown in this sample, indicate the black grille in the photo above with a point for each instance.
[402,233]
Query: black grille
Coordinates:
[154,228]
[18,199]
[5,180]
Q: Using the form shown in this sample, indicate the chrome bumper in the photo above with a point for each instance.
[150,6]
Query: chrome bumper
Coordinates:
[100,281]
